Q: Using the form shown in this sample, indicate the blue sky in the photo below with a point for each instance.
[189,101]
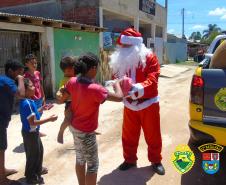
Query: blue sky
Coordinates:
[198,14]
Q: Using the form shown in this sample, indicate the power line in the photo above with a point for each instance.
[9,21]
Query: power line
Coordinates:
[199,22]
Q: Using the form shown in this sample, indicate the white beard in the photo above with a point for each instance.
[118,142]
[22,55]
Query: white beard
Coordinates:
[124,60]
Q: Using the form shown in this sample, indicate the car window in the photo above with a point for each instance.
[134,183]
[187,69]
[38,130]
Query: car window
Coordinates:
[217,44]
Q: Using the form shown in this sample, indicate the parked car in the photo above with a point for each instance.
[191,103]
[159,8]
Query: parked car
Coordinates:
[207,102]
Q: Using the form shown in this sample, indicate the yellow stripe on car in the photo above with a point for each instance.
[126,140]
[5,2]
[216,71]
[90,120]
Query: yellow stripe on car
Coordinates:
[218,133]
[195,111]
[198,71]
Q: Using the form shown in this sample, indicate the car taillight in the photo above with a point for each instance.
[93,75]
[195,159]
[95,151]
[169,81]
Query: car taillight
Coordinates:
[197,90]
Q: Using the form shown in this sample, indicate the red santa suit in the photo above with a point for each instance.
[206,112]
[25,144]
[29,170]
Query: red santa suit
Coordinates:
[142,104]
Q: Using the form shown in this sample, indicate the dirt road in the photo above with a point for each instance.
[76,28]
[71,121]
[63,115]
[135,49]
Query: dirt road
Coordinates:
[174,94]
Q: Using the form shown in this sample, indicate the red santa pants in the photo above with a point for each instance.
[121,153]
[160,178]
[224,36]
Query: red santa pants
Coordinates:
[149,120]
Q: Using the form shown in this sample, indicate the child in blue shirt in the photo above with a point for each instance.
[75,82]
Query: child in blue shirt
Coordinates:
[30,118]
[8,89]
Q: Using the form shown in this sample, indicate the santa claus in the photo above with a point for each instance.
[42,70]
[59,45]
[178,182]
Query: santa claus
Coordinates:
[132,59]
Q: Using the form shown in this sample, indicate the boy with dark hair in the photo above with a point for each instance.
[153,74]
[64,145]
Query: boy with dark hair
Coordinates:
[67,66]
[30,118]
[67,63]
[8,89]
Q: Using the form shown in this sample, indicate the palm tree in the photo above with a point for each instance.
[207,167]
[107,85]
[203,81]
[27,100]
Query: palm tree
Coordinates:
[195,36]
[211,28]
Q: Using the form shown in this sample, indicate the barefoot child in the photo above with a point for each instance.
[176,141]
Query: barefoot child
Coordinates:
[67,66]
[86,96]
[30,118]
[31,73]
[8,89]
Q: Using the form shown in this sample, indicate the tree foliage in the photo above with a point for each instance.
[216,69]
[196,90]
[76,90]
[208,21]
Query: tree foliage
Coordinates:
[195,36]
[210,38]
[208,34]
[212,28]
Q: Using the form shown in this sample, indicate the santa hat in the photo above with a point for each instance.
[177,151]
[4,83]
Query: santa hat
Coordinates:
[130,37]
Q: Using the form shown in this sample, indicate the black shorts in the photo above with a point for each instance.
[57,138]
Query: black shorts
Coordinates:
[3,137]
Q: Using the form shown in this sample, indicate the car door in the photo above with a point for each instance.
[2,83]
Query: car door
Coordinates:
[214,112]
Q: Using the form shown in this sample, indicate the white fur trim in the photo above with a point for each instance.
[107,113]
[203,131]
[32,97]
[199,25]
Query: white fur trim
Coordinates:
[137,107]
[137,88]
[133,75]
[130,40]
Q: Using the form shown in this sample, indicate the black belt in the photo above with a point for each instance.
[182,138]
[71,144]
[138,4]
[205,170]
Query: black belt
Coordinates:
[141,100]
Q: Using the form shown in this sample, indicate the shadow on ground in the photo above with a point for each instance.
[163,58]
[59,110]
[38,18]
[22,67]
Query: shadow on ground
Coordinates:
[22,181]
[197,176]
[19,149]
[134,176]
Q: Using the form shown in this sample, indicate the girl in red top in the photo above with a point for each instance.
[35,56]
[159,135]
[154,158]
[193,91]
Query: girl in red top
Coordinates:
[86,96]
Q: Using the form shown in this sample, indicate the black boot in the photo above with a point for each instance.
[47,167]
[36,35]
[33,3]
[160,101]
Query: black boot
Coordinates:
[125,166]
[158,168]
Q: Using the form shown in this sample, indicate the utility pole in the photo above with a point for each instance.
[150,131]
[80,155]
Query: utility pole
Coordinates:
[166,7]
[182,12]
[165,30]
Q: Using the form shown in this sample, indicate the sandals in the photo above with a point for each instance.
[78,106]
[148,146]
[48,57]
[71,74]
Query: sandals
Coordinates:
[44,171]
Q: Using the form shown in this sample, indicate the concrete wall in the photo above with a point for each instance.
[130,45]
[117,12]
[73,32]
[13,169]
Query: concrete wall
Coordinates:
[68,42]
[176,52]
[116,25]
[130,8]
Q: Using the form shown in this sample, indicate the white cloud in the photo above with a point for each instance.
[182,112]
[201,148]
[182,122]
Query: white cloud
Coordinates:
[171,31]
[188,12]
[223,17]
[218,12]
[197,27]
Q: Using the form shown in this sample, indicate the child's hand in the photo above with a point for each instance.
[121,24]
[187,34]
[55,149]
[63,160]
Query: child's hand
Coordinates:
[40,110]
[62,90]
[53,117]
[116,84]
[47,106]
[19,77]
[109,83]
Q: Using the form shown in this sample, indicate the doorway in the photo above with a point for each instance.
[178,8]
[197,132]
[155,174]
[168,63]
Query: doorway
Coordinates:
[17,44]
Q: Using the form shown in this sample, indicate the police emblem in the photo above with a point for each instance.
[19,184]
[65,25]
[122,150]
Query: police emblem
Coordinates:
[220,99]
[210,161]
[183,159]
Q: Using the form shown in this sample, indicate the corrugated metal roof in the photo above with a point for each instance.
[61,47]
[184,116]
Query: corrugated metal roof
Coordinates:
[41,21]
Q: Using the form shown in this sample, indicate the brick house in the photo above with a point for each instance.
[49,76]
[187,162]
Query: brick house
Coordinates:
[147,16]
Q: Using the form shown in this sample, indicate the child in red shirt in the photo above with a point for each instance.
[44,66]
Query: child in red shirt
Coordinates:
[86,96]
